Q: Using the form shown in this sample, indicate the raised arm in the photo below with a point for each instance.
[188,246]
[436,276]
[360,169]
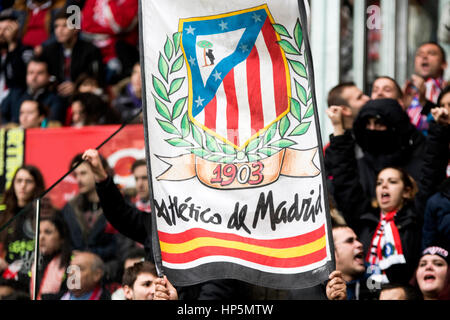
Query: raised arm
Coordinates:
[347,190]
[435,160]
[128,220]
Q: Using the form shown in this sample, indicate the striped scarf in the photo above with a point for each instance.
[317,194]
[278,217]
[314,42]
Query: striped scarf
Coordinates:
[433,89]
[386,246]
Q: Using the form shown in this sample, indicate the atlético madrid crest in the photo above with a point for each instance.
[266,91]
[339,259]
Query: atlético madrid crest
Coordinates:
[239,119]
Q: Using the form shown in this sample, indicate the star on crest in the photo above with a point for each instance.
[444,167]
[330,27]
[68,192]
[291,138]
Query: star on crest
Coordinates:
[217,76]
[223,25]
[243,47]
[256,17]
[199,101]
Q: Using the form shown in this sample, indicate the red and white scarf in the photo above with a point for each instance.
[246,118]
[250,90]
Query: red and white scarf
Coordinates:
[433,89]
[386,246]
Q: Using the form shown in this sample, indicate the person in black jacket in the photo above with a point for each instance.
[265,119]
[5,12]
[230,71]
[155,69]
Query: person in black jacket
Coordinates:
[69,56]
[401,144]
[350,99]
[89,230]
[137,225]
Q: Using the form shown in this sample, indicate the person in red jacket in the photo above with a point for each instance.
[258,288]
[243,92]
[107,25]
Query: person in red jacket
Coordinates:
[112,26]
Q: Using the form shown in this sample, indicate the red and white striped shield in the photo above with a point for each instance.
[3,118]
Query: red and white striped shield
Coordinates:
[238,74]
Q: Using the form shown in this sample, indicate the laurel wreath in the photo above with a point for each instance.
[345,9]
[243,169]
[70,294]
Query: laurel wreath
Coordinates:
[175,120]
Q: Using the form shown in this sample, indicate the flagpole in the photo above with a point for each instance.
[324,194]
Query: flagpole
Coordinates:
[36,248]
[155,240]
[303,14]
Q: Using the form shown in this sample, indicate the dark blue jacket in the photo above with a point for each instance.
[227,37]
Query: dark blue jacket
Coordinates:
[436,227]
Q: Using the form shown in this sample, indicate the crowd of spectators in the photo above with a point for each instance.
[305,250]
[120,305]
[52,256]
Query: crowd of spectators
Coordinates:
[58,69]
[69,69]
[387,168]
[387,172]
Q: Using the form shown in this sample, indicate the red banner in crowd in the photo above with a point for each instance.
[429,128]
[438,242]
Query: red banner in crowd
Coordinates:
[52,151]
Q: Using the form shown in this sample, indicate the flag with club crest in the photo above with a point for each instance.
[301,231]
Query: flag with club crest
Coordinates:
[233,143]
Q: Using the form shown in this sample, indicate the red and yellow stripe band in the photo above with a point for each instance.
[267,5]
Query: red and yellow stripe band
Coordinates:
[290,252]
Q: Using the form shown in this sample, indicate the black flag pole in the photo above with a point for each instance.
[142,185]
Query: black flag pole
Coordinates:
[309,57]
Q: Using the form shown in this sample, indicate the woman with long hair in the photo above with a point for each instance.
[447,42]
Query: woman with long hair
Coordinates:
[390,228]
[17,240]
[54,257]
